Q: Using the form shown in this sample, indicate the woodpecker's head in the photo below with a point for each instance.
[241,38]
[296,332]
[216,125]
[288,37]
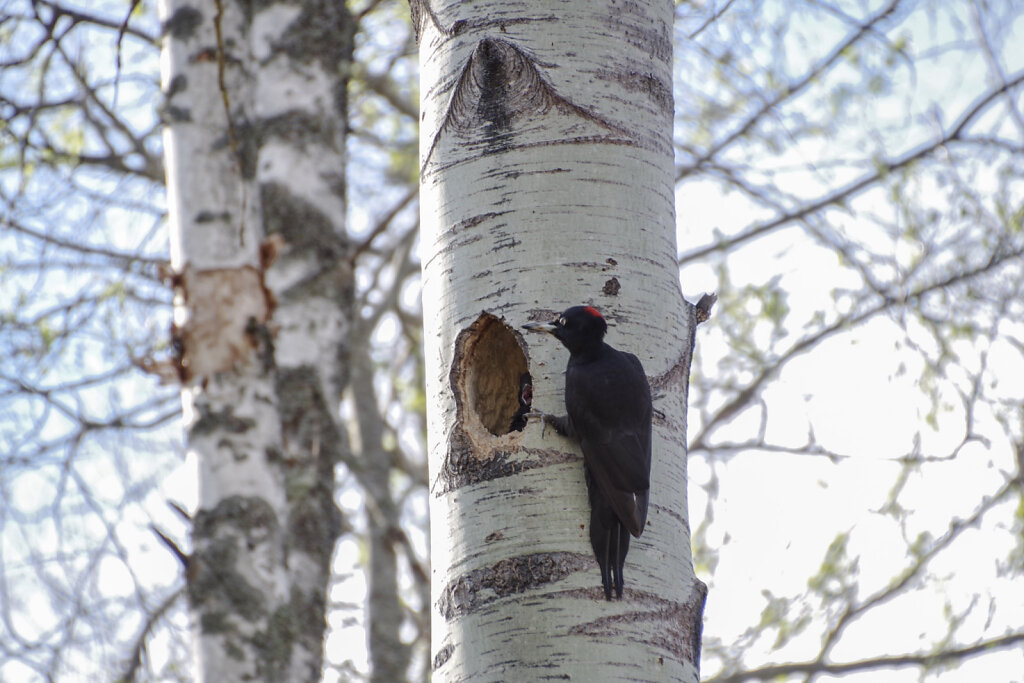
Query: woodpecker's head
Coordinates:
[577,328]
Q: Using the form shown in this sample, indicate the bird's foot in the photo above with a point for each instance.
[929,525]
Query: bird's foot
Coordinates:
[560,423]
[544,417]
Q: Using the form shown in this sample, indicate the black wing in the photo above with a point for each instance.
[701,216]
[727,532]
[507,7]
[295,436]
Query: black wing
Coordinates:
[610,410]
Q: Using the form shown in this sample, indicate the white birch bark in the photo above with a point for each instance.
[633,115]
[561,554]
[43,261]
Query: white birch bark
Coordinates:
[255,166]
[547,181]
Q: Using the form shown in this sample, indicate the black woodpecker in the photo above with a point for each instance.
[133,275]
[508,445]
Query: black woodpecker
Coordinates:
[608,401]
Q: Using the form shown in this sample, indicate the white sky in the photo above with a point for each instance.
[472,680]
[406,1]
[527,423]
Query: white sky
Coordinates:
[776,514]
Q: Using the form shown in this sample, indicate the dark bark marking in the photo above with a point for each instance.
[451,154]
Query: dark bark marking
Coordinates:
[300,129]
[661,509]
[183,23]
[611,287]
[504,241]
[315,523]
[210,421]
[577,140]
[576,265]
[249,514]
[498,293]
[692,615]
[311,445]
[637,31]
[494,77]
[245,139]
[178,84]
[262,339]
[308,231]
[500,85]
[680,629]
[455,246]
[170,115]
[213,577]
[420,11]
[301,619]
[307,428]
[442,656]
[322,32]
[472,222]
[645,83]
[462,467]
[502,173]
[212,217]
[510,576]
[679,372]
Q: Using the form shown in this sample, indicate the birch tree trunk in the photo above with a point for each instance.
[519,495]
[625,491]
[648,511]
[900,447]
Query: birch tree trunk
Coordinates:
[255,167]
[547,181]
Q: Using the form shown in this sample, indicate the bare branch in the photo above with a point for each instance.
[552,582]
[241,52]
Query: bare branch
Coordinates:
[897,661]
[794,88]
[844,194]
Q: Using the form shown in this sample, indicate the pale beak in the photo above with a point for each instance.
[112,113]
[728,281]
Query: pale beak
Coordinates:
[544,326]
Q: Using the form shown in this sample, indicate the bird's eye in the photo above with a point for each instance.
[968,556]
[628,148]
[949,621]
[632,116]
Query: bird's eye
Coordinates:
[561,321]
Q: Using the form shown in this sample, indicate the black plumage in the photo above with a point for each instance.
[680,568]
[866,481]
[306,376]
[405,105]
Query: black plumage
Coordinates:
[608,406]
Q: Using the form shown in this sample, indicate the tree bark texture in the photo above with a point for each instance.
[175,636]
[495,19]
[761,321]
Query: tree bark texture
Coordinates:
[547,181]
[255,112]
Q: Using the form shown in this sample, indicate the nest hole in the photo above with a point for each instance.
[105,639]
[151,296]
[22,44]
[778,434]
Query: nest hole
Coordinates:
[490,370]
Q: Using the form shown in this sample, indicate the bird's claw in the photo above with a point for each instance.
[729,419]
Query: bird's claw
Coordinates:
[543,420]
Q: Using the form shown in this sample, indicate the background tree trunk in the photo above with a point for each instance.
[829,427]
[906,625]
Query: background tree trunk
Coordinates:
[547,181]
[389,656]
[255,159]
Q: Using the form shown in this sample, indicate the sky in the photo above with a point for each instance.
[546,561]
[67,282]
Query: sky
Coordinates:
[776,514]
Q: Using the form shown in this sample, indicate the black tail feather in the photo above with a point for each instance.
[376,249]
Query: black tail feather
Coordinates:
[621,548]
[609,538]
